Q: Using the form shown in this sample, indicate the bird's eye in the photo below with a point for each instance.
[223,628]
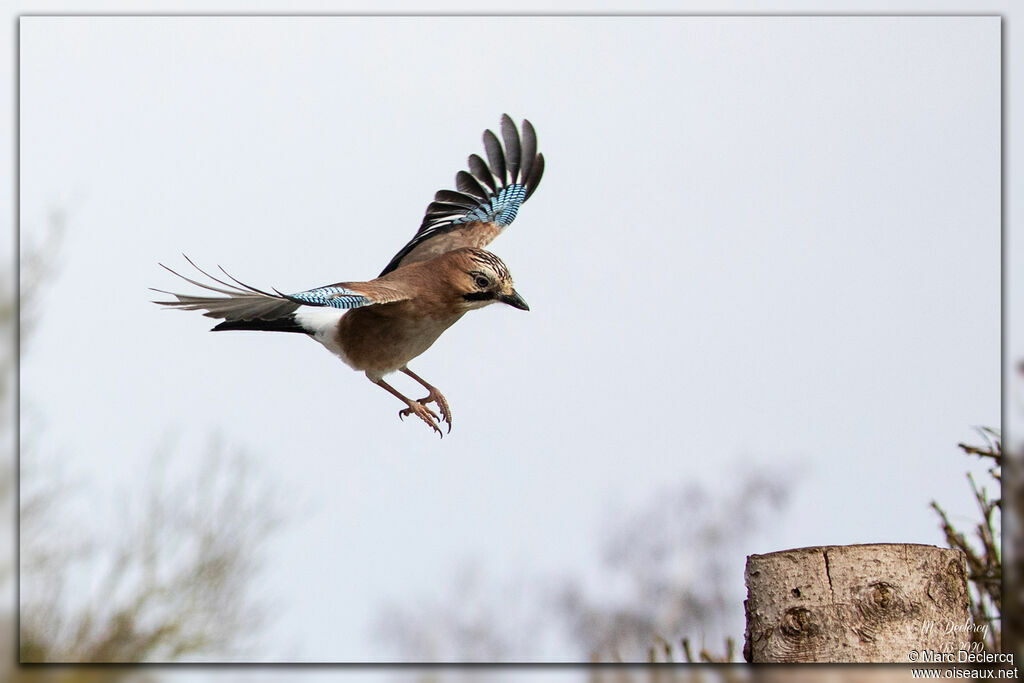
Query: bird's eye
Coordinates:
[481,281]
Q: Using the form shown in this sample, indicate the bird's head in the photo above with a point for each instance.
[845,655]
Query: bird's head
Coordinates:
[481,278]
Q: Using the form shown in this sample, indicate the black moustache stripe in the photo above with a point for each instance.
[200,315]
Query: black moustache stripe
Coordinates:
[479,296]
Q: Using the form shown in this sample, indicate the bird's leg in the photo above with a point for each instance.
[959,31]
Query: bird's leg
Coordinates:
[434,396]
[415,407]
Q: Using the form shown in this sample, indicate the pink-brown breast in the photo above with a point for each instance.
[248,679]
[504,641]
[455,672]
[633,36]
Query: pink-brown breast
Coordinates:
[381,339]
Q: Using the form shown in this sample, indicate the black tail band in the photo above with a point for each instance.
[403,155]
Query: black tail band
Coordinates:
[279,325]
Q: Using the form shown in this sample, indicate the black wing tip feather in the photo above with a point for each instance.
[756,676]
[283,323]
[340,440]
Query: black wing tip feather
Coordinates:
[511,159]
[510,135]
[536,172]
[522,144]
[478,167]
[495,157]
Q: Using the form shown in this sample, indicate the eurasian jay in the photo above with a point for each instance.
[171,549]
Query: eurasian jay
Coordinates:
[380,325]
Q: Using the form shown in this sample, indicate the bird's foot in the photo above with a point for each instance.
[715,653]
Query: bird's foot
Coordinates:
[442,405]
[424,413]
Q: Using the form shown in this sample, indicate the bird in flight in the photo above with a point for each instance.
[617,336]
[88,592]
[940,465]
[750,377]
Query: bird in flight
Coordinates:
[378,326]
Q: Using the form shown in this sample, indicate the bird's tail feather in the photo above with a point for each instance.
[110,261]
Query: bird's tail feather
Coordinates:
[243,308]
[286,324]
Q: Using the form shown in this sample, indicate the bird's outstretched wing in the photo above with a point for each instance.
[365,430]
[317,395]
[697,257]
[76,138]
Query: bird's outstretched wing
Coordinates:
[243,303]
[486,200]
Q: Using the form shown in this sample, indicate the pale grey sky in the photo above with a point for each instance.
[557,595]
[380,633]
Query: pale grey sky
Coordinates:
[758,240]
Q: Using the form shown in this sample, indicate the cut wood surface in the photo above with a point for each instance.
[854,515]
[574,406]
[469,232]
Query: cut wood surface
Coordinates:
[856,603]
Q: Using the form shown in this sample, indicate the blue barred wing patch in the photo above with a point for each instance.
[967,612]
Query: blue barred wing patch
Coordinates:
[335,297]
[501,208]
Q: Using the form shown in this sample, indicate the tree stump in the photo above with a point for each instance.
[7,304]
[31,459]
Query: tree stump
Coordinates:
[856,603]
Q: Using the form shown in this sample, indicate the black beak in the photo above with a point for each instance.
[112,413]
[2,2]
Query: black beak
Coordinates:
[514,300]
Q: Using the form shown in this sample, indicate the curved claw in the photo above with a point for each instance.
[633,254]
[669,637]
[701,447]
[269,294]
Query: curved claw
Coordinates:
[424,413]
[434,396]
[442,405]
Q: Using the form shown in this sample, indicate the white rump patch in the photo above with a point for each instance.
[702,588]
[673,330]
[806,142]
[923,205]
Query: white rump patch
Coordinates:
[322,323]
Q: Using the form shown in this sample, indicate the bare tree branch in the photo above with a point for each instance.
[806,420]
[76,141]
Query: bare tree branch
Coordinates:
[984,559]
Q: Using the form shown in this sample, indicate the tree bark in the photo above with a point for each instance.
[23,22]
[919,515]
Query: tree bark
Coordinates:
[856,603]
